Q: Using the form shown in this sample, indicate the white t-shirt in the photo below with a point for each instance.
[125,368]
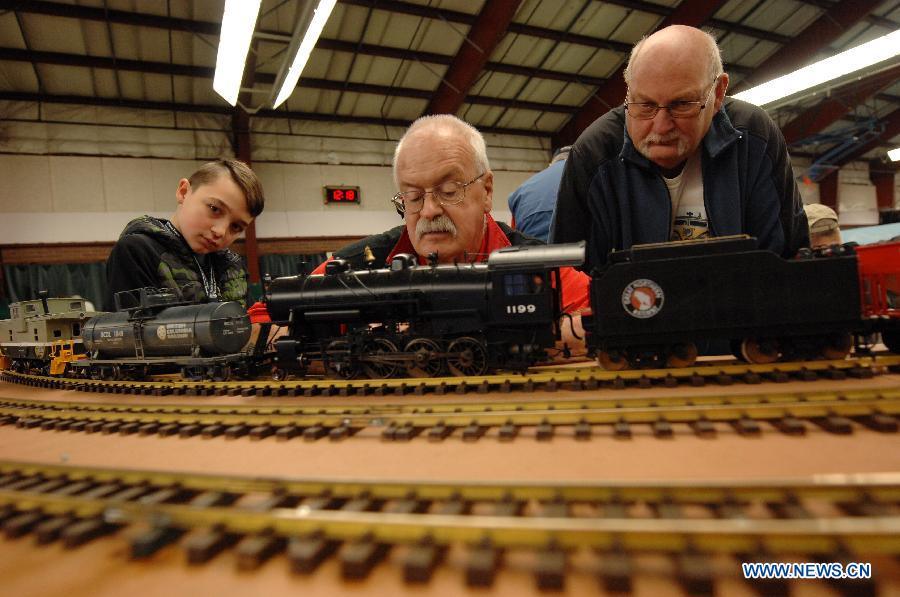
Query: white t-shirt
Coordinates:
[689,219]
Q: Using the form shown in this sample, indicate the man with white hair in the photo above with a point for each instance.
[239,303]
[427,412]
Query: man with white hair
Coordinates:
[678,160]
[446,189]
[445,192]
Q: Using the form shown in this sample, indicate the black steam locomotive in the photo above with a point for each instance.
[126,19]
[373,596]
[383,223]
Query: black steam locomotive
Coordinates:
[412,320]
[654,304]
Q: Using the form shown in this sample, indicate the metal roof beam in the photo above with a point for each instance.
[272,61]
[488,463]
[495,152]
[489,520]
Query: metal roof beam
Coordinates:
[210,28]
[454,16]
[476,48]
[166,68]
[891,128]
[664,11]
[874,19]
[140,19]
[144,66]
[840,102]
[228,110]
[796,54]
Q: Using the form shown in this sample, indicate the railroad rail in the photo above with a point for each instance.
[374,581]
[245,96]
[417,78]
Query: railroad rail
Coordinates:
[827,518]
[792,413]
[580,377]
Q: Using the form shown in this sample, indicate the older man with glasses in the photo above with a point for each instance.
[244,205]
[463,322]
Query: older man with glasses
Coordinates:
[445,192]
[678,160]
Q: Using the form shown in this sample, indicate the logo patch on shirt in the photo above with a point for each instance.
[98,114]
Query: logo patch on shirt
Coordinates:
[691,225]
[643,298]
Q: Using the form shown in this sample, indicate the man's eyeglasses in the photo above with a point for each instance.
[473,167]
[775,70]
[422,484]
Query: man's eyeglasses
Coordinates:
[677,109]
[448,193]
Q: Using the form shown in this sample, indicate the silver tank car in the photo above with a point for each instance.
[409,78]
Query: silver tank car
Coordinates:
[198,330]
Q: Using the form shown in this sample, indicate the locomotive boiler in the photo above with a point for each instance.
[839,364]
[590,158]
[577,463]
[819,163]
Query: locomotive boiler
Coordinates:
[423,320]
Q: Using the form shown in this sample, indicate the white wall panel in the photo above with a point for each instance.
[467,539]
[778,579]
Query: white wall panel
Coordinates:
[26,185]
[128,185]
[56,199]
[76,184]
[166,174]
[27,228]
[857,205]
[272,178]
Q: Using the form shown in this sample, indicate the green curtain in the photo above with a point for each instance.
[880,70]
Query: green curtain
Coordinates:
[87,280]
[279,266]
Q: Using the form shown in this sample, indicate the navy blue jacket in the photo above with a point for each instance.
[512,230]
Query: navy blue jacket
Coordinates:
[614,197]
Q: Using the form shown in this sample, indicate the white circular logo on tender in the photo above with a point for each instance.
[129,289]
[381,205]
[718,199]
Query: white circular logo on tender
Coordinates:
[642,298]
[161,332]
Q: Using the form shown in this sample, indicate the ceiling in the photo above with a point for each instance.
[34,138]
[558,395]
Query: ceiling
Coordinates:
[523,67]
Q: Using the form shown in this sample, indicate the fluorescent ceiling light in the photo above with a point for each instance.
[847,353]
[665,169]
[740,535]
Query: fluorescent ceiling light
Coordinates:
[238,22]
[894,154]
[287,80]
[855,59]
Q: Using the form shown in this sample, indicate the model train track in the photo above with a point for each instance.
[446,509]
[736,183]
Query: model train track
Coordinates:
[834,518]
[583,377]
[791,413]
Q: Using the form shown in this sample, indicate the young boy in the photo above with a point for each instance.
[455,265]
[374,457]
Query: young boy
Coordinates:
[189,253]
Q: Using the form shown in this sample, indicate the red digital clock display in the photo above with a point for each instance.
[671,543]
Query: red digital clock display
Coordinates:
[341,194]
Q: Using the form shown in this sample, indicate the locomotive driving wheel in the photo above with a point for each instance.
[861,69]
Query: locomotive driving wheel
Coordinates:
[278,374]
[338,363]
[426,360]
[612,360]
[682,355]
[380,362]
[760,352]
[467,356]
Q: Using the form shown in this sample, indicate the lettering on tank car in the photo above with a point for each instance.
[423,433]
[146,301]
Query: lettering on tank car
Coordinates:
[174,331]
[112,336]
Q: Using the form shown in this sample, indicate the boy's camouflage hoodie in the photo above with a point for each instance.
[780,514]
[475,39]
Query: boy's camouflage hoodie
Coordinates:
[153,248]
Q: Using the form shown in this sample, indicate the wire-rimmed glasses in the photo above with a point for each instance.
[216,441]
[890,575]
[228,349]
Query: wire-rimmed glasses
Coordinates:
[677,109]
[447,193]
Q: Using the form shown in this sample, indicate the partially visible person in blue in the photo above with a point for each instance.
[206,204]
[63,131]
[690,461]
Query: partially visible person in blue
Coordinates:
[678,160]
[532,204]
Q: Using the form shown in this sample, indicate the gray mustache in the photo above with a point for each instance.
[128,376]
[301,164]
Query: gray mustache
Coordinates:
[440,224]
[653,138]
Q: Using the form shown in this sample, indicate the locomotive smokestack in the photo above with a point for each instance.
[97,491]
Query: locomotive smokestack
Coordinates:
[42,294]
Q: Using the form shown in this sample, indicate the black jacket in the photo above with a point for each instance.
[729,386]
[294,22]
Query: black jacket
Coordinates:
[149,254]
[614,197]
